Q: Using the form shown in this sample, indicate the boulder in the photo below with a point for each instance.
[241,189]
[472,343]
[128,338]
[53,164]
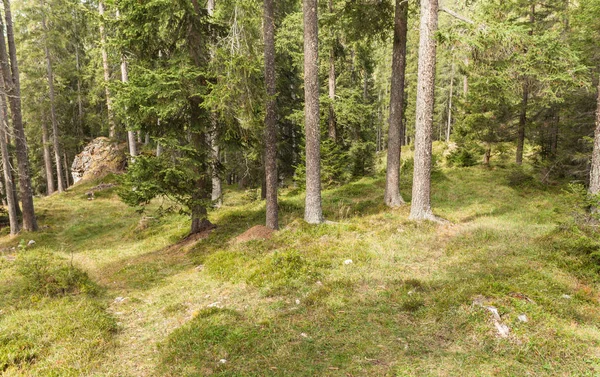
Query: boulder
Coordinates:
[98,158]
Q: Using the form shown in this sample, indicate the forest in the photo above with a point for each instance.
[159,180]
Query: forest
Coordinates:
[299,188]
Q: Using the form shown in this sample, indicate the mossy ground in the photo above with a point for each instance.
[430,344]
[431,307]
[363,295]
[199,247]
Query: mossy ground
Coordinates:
[290,306]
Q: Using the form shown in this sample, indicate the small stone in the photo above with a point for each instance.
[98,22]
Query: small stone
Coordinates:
[319,283]
[216,304]
[119,300]
[199,267]
[222,361]
[31,243]
[297,302]
[566,297]
[304,335]
[348,261]
[523,318]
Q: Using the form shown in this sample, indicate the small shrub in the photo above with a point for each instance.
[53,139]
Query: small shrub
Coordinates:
[461,157]
[42,273]
[518,177]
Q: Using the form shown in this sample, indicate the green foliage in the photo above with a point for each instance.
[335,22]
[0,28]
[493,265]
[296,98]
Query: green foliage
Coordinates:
[43,274]
[461,157]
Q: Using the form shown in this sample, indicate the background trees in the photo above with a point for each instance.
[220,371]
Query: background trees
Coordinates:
[203,81]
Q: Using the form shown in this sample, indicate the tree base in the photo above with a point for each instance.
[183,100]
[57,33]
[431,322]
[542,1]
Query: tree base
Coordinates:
[199,226]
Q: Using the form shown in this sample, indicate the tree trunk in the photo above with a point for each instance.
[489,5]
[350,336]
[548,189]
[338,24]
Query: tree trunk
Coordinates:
[55,136]
[272,215]
[449,126]
[47,158]
[332,131]
[66,169]
[522,123]
[130,134]
[9,184]
[217,187]
[466,80]
[111,118]
[392,183]
[421,191]
[524,101]
[79,98]
[313,213]
[487,155]
[595,171]
[11,76]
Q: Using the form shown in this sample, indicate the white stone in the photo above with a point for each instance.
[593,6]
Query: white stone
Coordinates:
[348,261]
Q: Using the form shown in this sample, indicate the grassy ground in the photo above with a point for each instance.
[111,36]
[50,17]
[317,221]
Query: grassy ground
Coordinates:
[101,293]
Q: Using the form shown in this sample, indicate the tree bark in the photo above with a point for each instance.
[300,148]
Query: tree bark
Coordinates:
[522,123]
[9,184]
[217,186]
[271,180]
[332,130]
[130,134]
[313,213]
[55,136]
[392,183]
[524,101]
[594,188]
[421,191]
[111,118]
[47,158]
[11,77]
[66,169]
[449,126]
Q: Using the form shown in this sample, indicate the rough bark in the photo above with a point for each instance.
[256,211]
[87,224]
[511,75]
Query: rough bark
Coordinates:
[332,130]
[55,135]
[130,134]
[66,170]
[272,215]
[111,118]
[594,188]
[47,159]
[9,184]
[392,183]
[522,123]
[313,213]
[217,186]
[421,191]
[524,101]
[13,86]
[449,125]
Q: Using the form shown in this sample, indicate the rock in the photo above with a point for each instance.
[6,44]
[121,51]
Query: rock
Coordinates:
[119,300]
[523,318]
[566,297]
[297,302]
[222,361]
[304,335]
[98,158]
[216,305]
[348,261]
[31,243]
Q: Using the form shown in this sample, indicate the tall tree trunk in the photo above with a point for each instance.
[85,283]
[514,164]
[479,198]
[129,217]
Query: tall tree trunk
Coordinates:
[313,213]
[47,158]
[11,77]
[271,180]
[55,137]
[217,186]
[524,101]
[449,126]
[421,191]
[111,117]
[332,131]
[130,134]
[13,217]
[466,80]
[522,124]
[392,181]
[594,188]
[66,169]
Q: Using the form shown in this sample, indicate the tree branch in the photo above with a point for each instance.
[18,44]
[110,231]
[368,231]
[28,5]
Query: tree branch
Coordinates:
[456,15]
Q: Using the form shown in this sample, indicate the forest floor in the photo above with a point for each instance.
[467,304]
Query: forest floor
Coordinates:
[371,294]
